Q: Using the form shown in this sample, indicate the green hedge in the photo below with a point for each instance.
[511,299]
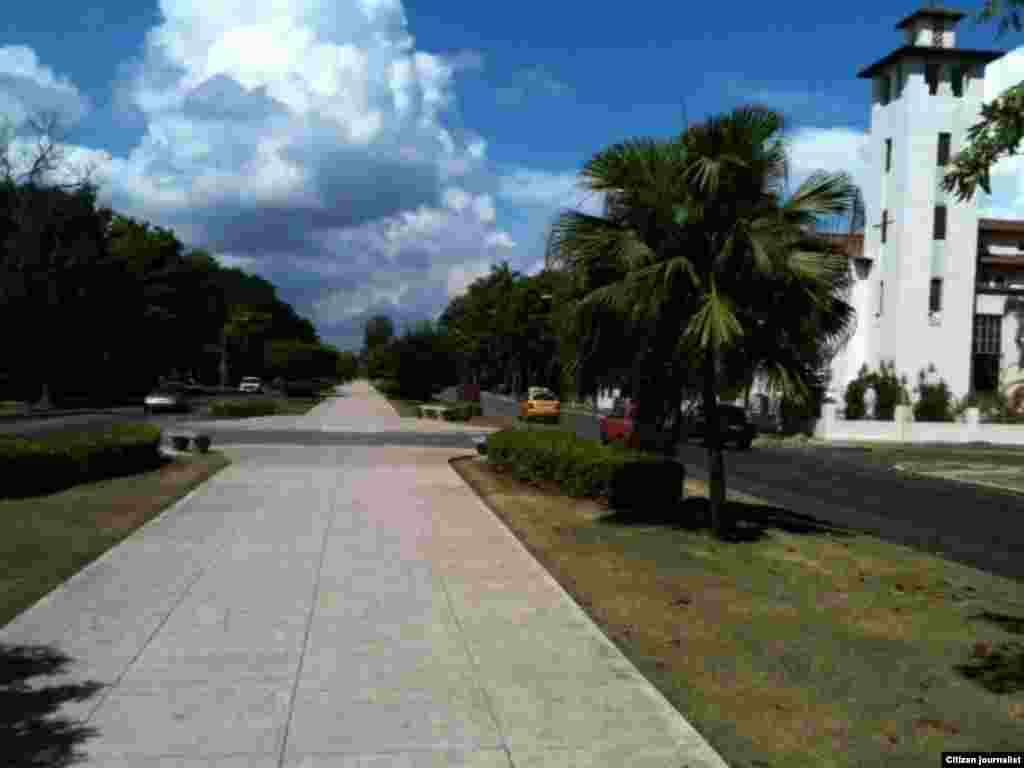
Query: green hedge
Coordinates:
[53,463]
[241,409]
[584,468]
[462,411]
[387,387]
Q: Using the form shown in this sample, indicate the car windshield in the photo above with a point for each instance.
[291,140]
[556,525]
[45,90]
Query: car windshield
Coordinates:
[250,380]
[542,394]
[170,389]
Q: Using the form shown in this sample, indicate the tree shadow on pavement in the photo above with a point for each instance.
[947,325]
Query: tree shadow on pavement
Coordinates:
[750,522]
[32,732]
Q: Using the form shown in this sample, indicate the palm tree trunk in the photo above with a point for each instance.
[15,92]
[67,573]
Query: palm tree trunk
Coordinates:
[713,440]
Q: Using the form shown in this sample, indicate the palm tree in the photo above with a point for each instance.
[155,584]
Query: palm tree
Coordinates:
[701,259]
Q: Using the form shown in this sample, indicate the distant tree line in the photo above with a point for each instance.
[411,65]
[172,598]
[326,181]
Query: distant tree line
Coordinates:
[97,307]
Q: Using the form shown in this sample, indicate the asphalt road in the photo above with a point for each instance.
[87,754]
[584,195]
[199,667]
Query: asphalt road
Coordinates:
[978,526]
[100,419]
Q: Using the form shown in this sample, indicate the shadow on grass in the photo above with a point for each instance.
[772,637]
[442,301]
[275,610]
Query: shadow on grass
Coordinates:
[57,484]
[1012,624]
[750,522]
[999,670]
[32,735]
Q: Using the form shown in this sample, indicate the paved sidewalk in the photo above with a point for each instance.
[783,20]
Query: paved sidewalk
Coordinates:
[339,606]
[359,408]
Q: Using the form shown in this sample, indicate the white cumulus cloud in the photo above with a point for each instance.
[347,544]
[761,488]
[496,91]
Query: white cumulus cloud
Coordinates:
[28,89]
[307,138]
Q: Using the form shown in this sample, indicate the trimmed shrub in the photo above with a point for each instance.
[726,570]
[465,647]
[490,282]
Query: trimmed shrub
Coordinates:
[387,387]
[995,408]
[242,409]
[53,463]
[935,401]
[462,411]
[583,468]
[890,390]
[202,443]
[302,388]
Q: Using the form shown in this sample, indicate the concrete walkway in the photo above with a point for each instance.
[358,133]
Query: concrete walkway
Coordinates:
[339,606]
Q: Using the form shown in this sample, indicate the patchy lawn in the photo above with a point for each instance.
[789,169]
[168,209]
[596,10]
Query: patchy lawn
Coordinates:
[799,645]
[44,540]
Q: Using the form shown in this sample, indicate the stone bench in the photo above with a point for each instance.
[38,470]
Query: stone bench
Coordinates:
[433,411]
[181,440]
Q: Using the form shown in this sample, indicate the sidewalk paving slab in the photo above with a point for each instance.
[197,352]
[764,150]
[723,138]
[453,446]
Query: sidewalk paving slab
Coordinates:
[346,606]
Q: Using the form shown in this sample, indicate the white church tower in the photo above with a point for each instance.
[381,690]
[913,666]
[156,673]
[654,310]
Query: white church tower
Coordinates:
[915,286]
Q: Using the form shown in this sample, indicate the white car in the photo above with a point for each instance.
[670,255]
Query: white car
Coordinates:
[250,384]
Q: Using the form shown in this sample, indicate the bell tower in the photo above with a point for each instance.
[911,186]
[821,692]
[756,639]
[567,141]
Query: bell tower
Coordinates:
[915,286]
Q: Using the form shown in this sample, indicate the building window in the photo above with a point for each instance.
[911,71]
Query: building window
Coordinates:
[958,81]
[987,332]
[931,76]
[885,87]
[939,231]
[935,295]
[944,146]
[885,224]
[888,155]
[937,31]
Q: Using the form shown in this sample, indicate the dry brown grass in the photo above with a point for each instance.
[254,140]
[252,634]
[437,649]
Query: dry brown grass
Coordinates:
[795,649]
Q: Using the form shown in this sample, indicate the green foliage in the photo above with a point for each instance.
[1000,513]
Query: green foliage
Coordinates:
[421,362]
[382,363]
[999,132]
[462,411]
[378,332]
[504,329]
[242,409]
[854,396]
[53,463]
[584,468]
[347,368]
[387,387]
[994,408]
[890,391]
[289,359]
[935,401]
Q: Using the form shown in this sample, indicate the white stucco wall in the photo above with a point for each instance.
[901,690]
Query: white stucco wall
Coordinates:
[906,333]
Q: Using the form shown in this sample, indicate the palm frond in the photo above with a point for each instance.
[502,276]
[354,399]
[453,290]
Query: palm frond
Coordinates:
[821,194]
[715,323]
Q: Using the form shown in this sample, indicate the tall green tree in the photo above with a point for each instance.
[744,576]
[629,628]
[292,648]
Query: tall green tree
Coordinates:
[379,330]
[51,249]
[697,246]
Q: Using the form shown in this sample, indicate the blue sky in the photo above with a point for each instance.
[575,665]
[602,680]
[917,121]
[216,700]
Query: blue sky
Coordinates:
[376,156]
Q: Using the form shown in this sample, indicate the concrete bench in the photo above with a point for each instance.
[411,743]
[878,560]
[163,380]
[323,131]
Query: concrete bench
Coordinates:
[187,439]
[433,411]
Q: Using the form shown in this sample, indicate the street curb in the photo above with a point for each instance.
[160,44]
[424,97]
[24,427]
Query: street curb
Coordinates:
[704,755]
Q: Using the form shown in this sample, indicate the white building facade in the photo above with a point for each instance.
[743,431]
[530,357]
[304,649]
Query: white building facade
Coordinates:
[929,289]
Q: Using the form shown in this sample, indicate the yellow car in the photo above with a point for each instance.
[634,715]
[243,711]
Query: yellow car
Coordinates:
[541,404]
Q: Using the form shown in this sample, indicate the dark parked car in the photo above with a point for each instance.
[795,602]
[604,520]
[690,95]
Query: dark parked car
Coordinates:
[735,427]
[172,396]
